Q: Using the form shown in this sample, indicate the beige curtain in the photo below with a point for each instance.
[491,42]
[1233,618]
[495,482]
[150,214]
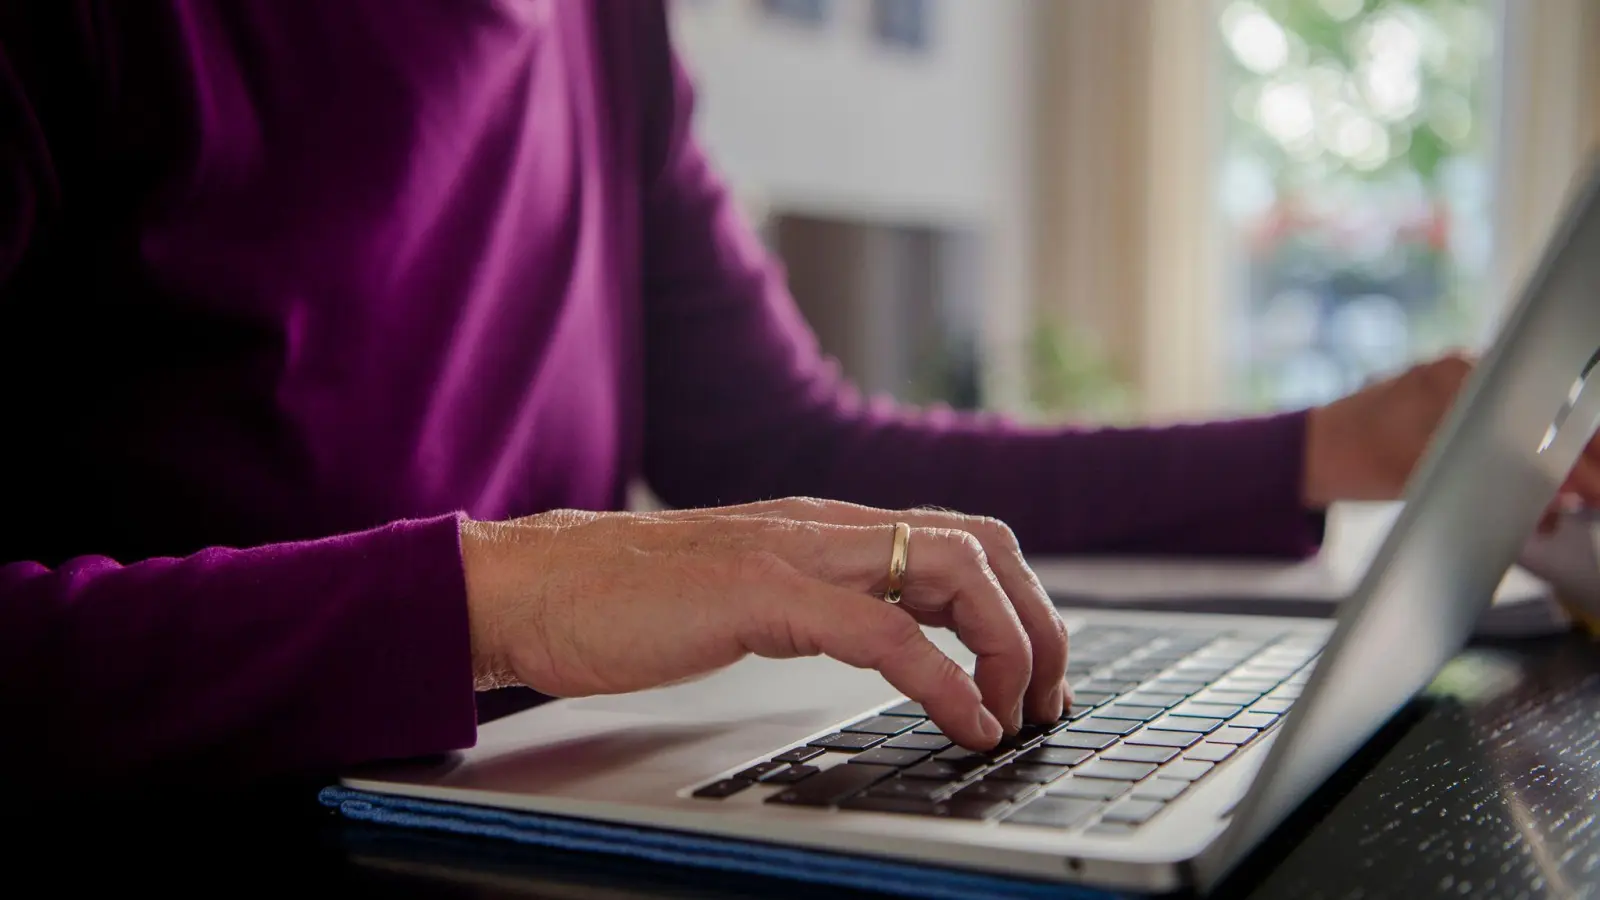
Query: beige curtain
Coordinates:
[1126,220]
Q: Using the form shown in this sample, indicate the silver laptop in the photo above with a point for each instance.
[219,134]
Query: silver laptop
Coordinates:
[1194,736]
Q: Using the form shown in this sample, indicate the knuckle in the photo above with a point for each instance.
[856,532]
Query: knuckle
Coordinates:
[960,556]
[1058,633]
[803,507]
[968,545]
[995,530]
[939,514]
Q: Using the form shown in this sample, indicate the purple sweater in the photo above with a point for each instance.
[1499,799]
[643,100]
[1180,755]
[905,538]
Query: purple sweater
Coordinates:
[286,286]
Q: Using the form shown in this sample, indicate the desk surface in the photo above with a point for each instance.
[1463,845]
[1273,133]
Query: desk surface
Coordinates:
[1493,791]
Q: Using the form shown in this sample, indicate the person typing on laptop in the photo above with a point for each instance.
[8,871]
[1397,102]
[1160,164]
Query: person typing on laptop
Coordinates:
[318,320]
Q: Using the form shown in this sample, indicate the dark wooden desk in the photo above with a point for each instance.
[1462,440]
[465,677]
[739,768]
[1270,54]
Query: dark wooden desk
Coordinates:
[1492,790]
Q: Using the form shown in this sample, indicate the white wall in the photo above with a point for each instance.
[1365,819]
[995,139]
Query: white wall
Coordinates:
[828,123]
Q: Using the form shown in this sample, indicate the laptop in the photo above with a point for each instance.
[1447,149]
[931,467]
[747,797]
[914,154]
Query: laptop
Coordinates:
[1192,737]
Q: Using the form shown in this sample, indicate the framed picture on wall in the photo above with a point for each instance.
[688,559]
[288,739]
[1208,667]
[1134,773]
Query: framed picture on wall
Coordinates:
[903,24]
[811,13]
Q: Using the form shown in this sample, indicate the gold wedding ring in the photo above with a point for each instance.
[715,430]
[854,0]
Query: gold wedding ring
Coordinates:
[897,562]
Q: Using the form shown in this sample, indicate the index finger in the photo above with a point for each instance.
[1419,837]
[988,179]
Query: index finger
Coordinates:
[795,615]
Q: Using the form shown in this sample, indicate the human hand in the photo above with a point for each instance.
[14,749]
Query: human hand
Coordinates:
[1365,446]
[577,603]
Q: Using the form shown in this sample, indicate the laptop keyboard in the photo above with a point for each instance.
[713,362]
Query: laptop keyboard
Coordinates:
[1154,712]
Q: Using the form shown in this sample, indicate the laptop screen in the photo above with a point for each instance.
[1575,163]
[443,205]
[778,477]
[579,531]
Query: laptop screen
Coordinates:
[1502,454]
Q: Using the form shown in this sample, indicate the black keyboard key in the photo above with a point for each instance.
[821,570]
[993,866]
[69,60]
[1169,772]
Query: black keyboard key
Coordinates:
[1269,705]
[908,708]
[1055,756]
[1133,812]
[972,759]
[1207,710]
[932,743]
[942,809]
[1101,725]
[1218,653]
[1107,686]
[1212,753]
[888,756]
[1089,788]
[1289,655]
[1162,660]
[727,787]
[1238,645]
[1135,753]
[1130,712]
[942,770]
[760,770]
[1027,772]
[1079,740]
[889,725]
[1119,771]
[986,790]
[1248,685]
[927,728]
[1028,735]
[1162,789]
[1151,698]
[1232,736]
[1054,812]
[1186,770]
[969,808]
[912,788]
[1203,669]
[1153,738]
[1192,724]
[1240,699]
[1264,671]
[848,742]
[1089,698]
[791,775]
[1252,720]
[798,754]
[1176,686]
[828,787]
[909,806]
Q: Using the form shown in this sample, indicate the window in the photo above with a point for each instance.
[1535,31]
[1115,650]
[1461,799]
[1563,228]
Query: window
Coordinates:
[1355,185]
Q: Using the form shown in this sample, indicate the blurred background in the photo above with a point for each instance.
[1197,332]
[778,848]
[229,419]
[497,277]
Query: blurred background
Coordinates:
[1144,210]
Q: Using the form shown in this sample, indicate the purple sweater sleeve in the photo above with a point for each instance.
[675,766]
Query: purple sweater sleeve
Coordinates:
[742,406]
[237,664]
[229,664]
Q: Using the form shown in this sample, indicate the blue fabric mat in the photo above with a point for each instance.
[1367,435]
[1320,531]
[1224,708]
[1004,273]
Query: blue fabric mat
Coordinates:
[678,848]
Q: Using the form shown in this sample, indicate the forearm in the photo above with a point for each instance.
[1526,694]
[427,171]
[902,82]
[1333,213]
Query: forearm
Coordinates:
[238,664]
[1214,488]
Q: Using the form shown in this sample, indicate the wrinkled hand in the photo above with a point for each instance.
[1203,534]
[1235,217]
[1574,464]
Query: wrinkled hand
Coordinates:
[1364,446]
[576,603]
